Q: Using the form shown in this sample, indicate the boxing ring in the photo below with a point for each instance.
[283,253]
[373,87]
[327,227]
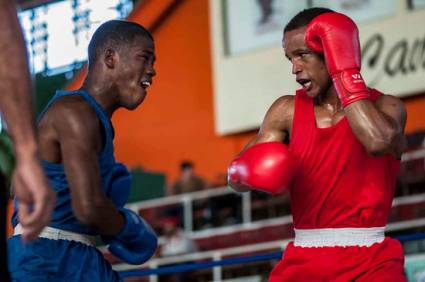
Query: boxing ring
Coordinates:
[216,263]
[408,227]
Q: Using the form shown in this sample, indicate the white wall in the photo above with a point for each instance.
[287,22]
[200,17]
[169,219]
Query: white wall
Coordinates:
[246,84]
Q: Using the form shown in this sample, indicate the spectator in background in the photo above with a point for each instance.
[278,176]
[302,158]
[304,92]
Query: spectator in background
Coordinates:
[176,242]
[188,180]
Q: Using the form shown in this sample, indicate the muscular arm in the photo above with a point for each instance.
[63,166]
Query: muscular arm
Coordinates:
[277,122]
[15,86]
[79,135]
[379,126]
[35,197]
[275,127]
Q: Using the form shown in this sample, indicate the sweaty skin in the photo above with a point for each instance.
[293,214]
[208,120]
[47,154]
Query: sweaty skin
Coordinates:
[378,126]
[71,133]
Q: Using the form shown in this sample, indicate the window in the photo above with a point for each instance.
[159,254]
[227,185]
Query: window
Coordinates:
[57,34]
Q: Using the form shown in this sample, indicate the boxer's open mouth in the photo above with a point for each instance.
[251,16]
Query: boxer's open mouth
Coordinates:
[305,83]
[145,84]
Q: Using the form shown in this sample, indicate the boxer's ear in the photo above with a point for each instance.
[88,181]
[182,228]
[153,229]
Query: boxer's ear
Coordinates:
[110,57]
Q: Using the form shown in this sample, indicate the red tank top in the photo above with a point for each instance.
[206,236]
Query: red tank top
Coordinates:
[338,184]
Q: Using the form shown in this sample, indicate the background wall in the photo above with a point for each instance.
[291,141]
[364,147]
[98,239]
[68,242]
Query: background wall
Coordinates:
[176,120]
[246,83]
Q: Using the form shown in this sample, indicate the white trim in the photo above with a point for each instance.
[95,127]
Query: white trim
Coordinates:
[342,237]
[59,234]
[394,226]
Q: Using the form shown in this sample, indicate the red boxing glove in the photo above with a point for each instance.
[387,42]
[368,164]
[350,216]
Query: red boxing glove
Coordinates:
[336,36]
[267,167]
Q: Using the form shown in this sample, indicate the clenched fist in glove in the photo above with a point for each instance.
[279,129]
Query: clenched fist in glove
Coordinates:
[268,167]
[136,243]
[336,36]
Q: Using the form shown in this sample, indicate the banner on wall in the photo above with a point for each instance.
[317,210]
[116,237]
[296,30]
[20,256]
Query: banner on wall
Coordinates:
[247,83]
[253,24]
[393,59]
[360,10]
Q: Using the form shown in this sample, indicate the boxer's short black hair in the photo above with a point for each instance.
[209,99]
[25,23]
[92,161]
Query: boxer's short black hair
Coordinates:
[115,34]
[186,165]
[304,17]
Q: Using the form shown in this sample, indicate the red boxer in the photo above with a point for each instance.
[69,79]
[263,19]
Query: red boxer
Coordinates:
[346,141]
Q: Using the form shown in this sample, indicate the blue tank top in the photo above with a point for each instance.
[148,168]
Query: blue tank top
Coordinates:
[63,217]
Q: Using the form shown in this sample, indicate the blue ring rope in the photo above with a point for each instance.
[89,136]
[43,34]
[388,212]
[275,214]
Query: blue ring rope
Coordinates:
[201,265]
[410,237]
[239,260]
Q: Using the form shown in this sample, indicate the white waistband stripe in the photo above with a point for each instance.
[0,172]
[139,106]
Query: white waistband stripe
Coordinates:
[58,234]
[341,237]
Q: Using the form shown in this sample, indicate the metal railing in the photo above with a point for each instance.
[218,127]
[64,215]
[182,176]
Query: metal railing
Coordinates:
[187,200]
[217,259]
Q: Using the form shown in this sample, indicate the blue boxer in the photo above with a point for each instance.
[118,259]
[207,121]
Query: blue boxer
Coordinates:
[70,260]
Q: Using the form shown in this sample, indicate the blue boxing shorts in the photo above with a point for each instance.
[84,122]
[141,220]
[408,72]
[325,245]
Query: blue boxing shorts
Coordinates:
[51,260]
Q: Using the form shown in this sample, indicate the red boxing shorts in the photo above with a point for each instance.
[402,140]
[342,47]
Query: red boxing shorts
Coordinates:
[380,262]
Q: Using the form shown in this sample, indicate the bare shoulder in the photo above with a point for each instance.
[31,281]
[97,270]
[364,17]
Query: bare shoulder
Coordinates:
[73,116]
[284,103]
[281,112]
[277,123]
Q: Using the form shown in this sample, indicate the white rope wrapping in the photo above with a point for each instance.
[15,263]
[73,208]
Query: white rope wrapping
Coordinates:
[341,237]
[59,234]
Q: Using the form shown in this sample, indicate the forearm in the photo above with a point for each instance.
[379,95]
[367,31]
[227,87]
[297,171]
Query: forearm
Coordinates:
[372,127]
[15,86]
[102,215]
